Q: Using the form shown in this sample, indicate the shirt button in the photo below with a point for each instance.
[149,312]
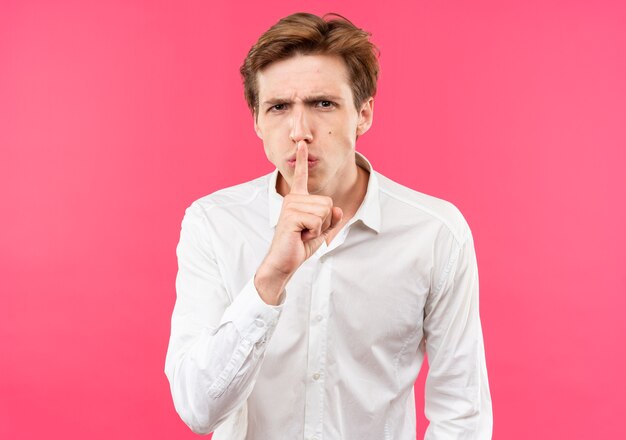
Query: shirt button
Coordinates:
[259,323]
[319,318]
[316,376]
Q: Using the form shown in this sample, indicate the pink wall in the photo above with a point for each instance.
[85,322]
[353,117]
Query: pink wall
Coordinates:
[115,115]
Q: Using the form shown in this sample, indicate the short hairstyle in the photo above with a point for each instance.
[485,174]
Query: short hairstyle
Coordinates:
[307,34]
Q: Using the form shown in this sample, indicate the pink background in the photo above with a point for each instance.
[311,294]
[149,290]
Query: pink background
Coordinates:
[115,115]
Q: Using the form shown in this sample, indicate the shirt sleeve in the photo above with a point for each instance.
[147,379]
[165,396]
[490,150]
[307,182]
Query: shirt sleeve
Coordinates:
[217,342]
[457,400]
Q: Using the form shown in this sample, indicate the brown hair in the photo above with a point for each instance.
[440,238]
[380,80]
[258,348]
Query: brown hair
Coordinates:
[307,34]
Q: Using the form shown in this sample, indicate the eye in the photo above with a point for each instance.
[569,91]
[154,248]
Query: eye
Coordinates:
[277,108]
[326,104]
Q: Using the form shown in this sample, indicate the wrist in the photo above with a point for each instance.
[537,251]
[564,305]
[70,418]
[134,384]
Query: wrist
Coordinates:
[270,283]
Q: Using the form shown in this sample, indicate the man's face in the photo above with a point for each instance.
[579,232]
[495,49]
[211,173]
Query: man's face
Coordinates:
[308,97]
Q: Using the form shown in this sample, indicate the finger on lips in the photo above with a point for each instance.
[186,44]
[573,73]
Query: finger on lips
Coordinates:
[301,173]
[315,213]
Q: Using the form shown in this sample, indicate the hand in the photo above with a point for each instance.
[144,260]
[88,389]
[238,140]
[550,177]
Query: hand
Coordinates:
[304,223]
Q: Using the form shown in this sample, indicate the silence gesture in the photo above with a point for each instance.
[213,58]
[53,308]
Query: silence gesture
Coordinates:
[304,223]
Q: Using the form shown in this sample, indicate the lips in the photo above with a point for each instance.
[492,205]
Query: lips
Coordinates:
[291,161]
[311,157]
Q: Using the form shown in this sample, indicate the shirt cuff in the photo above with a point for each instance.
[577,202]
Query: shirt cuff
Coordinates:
[254,318]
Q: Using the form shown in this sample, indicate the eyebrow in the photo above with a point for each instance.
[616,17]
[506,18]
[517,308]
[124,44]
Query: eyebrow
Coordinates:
[307,100]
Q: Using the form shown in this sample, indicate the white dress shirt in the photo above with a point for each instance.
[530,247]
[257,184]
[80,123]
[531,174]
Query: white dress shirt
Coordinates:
[339,357]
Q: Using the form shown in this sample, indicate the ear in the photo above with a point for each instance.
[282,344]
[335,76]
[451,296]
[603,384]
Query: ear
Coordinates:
[257,129]
[366,116]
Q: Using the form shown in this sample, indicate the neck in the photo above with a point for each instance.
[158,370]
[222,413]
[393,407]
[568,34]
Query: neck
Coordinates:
[350,197]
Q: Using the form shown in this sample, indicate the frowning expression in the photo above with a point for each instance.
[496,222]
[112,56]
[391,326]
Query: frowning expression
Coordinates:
[308,97]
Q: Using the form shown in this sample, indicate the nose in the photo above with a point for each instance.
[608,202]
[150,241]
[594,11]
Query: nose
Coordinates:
[300,129]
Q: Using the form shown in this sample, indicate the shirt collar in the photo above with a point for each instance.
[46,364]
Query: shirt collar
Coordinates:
[368,212]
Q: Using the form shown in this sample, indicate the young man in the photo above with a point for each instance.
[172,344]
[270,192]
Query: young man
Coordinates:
[307,298]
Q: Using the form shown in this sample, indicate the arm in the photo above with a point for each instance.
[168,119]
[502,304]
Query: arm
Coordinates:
[457,401]
[216,344]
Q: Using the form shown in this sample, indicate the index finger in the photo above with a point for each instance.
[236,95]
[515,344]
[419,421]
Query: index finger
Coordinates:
[301,173]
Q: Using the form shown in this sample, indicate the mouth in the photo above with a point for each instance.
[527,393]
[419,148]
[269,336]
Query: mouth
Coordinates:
[312,160]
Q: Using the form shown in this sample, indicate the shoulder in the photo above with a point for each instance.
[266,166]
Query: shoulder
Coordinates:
[423,208]
[243,195]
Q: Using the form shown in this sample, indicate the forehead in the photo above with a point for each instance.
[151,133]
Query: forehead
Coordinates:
[303,75]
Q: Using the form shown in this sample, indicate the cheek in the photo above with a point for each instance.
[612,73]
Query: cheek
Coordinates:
[344,135]
[269,151]
[344,129]
[274,146]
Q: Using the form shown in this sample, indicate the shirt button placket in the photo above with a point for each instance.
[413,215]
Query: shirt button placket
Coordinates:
[320,293]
